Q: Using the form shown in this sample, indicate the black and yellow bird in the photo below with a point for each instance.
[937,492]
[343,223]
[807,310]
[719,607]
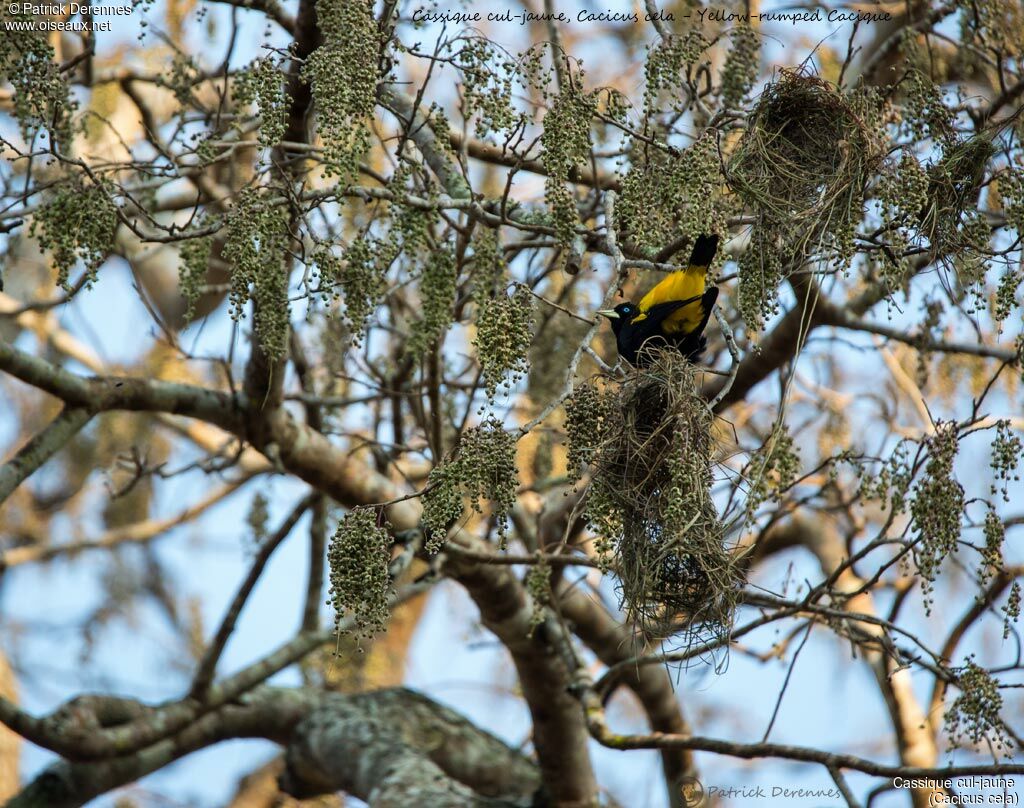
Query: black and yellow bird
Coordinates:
[673,314]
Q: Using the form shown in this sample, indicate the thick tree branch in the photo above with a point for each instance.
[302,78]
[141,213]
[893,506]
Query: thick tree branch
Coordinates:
[41,448]
[334,741]
[100,394]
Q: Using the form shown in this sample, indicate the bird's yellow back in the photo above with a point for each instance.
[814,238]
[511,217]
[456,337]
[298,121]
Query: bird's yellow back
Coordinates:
[685,283]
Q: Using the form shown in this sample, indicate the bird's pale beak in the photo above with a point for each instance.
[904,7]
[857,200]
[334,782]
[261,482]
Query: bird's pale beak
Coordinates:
[611,314]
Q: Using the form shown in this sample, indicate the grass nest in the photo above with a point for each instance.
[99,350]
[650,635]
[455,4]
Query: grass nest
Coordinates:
[806,156]
[650,498]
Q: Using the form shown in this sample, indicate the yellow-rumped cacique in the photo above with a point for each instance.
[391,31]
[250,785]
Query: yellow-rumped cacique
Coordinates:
[673,314]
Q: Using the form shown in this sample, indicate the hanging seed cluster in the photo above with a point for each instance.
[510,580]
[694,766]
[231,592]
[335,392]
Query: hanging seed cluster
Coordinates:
[483,470]
[194,257]
[256,247]
[504,323]
[359,275]
[1006,293]
[649,499]
[889,485]
[992,553]
[77,223]
[903,197]
[937,506]
[263,84]
[669,194]
[488,79]
[343,75]
[1007,450]
[974,716]
[566,143]
[1012,608]
[357,559]
[538,586]
[669,64]
[742,66]
[772,470]
[40,95]
[438,282]
[588,418]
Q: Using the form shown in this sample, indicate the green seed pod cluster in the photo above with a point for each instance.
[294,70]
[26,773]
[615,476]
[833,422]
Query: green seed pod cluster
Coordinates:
[616,105]
[411,226]
[40,94]
[1006,294]
[359,275]
[903,196]
[262,83]
[504,333]
[992,552]
[182,77]
[903,191]
[256,247]
[484,469]
[1011,188]
[970,260]
[742,66]
[1012,608]
[1007,449]
[937,507]
[538,585]
[666,69]
[925,114]
[442,505]
[760,273]
[488,80]
[566,142]
[77,223]
[890,484]
[772,469]
[438,282]
[668,195]
[257,519]
[504,327]
[587,414]
[194,259]
[343,75]
[974,716]
[358,558]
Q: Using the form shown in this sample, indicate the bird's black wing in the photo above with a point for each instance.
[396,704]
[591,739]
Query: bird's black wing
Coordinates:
[692,345]
[657,313]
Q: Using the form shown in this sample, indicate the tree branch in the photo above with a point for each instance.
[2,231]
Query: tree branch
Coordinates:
[208,664]
[41,448]
[369,744]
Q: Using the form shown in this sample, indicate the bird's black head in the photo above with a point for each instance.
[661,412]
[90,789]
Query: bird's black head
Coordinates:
[620,315]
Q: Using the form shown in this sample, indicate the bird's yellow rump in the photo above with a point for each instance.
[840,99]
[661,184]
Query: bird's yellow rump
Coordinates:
[682,285]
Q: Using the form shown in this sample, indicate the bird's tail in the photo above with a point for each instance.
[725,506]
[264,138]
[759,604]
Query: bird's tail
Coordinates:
[704,250]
